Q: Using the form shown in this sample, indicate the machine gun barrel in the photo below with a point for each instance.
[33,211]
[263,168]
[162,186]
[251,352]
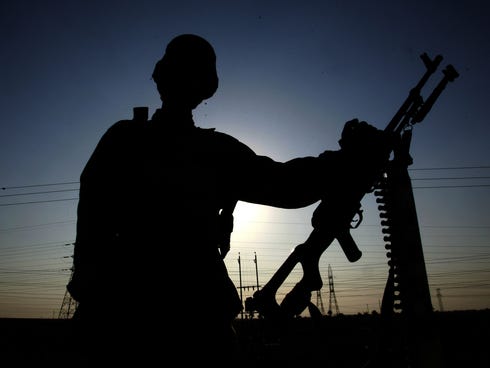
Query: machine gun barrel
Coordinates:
[398,122]
[450,74]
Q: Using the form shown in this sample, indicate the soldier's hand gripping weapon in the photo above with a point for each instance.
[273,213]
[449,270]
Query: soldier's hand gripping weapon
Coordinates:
[335,216]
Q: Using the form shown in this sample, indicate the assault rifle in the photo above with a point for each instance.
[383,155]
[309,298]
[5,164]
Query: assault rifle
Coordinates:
[335,217]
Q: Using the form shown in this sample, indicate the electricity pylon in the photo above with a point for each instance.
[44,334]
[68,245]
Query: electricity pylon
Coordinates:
[332,298]
[68,305]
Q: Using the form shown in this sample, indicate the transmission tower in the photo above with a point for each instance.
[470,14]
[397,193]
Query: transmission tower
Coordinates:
[332,298]
[68,305]
[319,301]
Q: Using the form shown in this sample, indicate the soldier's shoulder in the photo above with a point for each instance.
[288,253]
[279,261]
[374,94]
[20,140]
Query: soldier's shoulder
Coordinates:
[224,140]
[217,135]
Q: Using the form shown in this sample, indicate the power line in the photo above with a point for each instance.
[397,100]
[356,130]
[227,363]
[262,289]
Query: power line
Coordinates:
[34,202]
[410,169]
[454,178]
[449,168]
[37,193]
[453,186]
[76,198]
[39,185]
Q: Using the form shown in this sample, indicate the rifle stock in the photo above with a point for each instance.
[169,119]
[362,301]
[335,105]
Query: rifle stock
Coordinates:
[332,220]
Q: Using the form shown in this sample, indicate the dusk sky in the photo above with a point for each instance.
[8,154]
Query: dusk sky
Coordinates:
[291,74]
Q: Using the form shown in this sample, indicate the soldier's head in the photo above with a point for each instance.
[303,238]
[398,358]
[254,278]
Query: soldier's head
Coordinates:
[186,75]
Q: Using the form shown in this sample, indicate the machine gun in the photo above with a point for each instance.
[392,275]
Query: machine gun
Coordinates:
[335,217]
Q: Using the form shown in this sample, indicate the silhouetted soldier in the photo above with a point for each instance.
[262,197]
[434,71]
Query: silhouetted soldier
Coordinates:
[149,275]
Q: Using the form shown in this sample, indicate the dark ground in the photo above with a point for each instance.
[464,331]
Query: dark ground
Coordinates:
[462,340]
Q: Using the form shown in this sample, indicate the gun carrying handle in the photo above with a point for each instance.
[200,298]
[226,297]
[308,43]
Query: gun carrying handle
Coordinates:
[349,246]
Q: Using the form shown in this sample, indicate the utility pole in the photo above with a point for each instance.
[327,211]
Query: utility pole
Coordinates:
[240,278]
[439,298]
[256,271]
